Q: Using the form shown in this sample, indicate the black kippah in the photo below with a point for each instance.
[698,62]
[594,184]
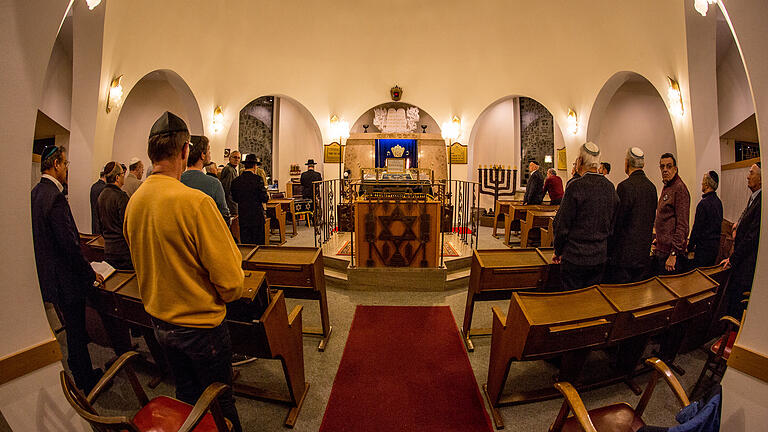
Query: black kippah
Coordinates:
[48,151]
[168,123]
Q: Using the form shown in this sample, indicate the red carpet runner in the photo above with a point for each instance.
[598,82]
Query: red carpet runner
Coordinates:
[404,369]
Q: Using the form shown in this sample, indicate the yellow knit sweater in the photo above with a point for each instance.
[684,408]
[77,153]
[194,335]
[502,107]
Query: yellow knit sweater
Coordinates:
[187,263]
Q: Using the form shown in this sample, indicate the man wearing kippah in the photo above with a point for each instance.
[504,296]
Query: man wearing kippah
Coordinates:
[630,245]
[704,241]
[534,189]
[671,222]
[187,267]
[65,276]
[133,179]
[584,223]
[111,204]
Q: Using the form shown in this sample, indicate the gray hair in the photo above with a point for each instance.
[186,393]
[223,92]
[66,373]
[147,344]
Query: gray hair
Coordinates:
[635,157]
[589,153]
[710,182]
[552,171]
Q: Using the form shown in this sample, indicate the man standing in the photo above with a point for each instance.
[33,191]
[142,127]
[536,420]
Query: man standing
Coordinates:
[187,268]
[260,171]
[554,186]
[534,190]
[308,178]
[584,223]
[630,245]
[96,189]
[250,195]
[112,203]
[194,177]
[65,276]
[671,220]
[574,175]
[744,256]
[704,241]
[133,179]
[227,175]
[605,168]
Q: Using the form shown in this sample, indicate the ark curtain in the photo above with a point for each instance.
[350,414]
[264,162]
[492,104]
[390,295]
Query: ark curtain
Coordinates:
[384,151]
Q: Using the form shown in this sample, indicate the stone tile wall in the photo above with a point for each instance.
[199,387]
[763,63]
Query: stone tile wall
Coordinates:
[537,135]
[255,132]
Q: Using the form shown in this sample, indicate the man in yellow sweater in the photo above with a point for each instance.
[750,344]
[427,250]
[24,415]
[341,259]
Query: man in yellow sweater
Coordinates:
[187,265]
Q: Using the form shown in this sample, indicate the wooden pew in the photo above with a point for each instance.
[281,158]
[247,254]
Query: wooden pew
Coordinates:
[515,216]
[547,234]
[92,247]
[298,271]
[502,207]
[541,326]
[275,210]
[497,273]
[534,219]
[553,283]
[273,335]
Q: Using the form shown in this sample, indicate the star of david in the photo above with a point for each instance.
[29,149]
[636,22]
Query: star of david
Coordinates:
[397,216]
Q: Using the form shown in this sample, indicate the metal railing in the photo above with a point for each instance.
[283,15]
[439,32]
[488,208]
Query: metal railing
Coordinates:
[325,196]
[464,200]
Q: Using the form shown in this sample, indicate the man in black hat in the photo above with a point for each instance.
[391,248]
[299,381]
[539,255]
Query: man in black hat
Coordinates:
[534,189]
[250,195]
[704,240]
[308,178]
[66,278]
[187,268]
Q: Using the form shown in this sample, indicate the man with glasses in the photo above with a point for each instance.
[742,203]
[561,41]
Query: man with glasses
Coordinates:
[66,278]
[671,222]
[227,175]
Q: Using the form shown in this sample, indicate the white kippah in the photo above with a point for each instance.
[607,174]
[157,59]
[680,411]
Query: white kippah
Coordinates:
[134,160]
[637,152]
[592,148]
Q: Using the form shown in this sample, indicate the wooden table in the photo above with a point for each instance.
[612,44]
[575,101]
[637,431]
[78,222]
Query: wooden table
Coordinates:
[298,271]
[287,205]
[496,274]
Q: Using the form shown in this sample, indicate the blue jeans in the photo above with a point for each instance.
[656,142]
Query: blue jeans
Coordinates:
[199,357]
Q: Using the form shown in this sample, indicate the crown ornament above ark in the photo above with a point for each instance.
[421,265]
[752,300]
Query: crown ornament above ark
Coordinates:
[398,150]
[396,92]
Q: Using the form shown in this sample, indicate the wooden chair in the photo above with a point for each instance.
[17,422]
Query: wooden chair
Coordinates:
[719,352]
[616,417]
[159,414]
[303,208]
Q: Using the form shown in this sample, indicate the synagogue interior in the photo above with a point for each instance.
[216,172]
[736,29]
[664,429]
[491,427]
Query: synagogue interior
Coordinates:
[392,216]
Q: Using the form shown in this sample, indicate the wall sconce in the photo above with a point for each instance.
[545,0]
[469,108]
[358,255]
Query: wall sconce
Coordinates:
[115,93]
[218,120]
[92,3]
[702,6]
[675,98]
[339,128]
[573,122]
[548,159]
[452,129]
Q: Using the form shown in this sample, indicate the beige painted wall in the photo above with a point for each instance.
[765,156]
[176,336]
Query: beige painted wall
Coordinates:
[56,102]
[734,98]
[299,139]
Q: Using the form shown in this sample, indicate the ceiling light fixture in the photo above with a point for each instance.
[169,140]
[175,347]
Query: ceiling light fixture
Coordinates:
[92,3]
[702,6]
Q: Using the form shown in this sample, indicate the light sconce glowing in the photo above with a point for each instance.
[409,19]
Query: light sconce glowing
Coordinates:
[218,120]
[702,6]
[92,3]
[573,122]
[548,159]
[339,128]
[675,98]
[115,93]
[452,129]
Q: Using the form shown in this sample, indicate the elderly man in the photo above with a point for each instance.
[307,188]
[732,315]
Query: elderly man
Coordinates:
[65,276]
[574,175]
[133,179]
[112,203]
[704,241]
[553,186]
[187,268]
[227,174]
[746,238]
[584,223]
[249,193]
[630,244]
[96,189]
[671,220]
[534,190]
[194,177]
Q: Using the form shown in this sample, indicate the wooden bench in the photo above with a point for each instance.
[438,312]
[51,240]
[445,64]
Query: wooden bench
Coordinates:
[298,271]
[502,207]
[535,219]
[514,217]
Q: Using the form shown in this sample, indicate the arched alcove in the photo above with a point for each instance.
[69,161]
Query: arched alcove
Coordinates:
[425,119]
[630,112]
[156,92]
[508,126]
[280,130]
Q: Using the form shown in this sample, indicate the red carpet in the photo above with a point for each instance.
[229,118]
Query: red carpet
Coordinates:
[405,369]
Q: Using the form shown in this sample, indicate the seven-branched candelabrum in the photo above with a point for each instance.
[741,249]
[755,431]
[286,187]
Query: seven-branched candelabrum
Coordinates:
[497,181]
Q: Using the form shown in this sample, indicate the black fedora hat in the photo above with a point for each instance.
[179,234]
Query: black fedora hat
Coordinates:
[310,162]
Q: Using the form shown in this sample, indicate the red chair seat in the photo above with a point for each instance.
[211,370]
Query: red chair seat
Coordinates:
[612,418]
[715,348]
[164,414]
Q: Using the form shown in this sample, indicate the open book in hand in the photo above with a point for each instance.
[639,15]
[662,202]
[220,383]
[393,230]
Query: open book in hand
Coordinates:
[102,268]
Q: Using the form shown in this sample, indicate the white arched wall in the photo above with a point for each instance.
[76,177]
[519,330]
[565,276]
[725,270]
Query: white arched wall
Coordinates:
[629,112]
[155,93]
[297,137]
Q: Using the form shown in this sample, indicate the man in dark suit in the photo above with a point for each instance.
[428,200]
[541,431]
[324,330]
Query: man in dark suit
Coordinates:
[534,190]
[746,238]
[630,246]
[96,189]
[584,223]
[704,240]
[65,276]
[308,178]
[250,195]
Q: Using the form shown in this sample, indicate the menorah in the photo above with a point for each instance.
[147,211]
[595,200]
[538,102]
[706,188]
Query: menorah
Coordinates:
[496,180]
